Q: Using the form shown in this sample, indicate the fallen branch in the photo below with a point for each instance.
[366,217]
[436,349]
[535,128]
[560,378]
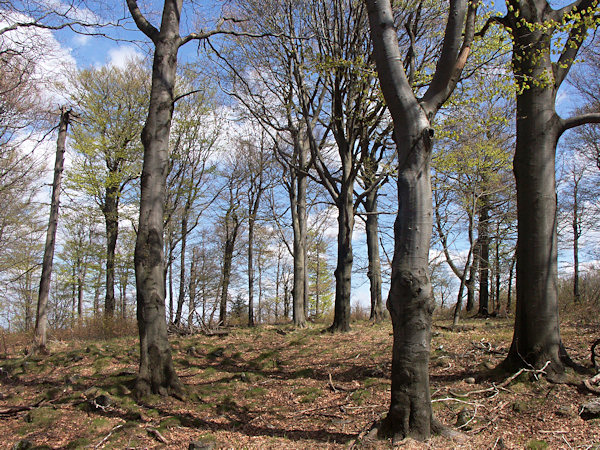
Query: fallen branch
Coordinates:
[496,387]
[591,384]
[156,434]
[107,437]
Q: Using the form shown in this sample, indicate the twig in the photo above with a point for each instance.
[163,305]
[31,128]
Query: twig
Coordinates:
[331,384]
[566,442]
[108,436]
[156,434]
[494,388]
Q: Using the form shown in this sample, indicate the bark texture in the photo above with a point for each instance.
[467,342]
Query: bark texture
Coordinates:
[374,271]
[536,338]
[410,300]
[156,372]
[41,318]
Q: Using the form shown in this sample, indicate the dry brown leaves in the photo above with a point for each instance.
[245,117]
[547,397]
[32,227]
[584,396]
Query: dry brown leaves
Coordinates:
[260,388]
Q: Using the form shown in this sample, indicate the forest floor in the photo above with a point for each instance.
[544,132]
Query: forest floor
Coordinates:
[273,387]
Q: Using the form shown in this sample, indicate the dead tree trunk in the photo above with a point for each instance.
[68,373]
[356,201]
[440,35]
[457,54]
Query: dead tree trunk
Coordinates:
[41,318]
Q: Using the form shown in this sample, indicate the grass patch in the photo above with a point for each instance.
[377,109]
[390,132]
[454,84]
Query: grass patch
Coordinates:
[308,394]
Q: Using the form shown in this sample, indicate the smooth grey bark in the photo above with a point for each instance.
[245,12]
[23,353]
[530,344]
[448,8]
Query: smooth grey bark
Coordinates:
[410,299]
[156,371]
[256,180]
[576,227]
[536,338]
[483,239]
[345,258]
[192,290]
[470,282]
[232,226]
[297,193]
[372,233]
[41,317]
[110,209]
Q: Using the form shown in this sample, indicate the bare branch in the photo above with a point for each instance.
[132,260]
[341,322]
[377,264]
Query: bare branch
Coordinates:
[142,23]
[576,121]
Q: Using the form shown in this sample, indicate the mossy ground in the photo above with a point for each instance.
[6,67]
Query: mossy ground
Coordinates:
[261,388]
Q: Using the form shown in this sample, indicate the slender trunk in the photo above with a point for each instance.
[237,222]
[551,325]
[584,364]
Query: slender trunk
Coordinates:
[299,220]
[510,283]
[484,258]
[317,282]
[156,371]
[374,271]
[28,301]
[497,268]
[80,285]
[470,283]
[343,271]
[576,234]
[96,303]
[251,321]
[41,318]
[277,284]
[260,289]
[461,289]
[232,225]
[111,218]
[192,289]
[181,296]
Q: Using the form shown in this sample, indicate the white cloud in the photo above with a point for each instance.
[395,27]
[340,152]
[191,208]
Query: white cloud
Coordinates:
[82,39]
[40,48]
[119,56]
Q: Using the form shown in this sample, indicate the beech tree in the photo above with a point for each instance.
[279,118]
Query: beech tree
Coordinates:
[112,102]
[410,299]
[532,26]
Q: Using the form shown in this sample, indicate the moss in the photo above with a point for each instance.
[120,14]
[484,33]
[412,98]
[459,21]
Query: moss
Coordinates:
[255,392]
[308,394]
[81,442]
[534,444]
[169,422]
[304,373]
[359,396]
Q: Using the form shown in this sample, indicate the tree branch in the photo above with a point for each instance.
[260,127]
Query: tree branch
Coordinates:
[452,60]
[576,121]
[142,23]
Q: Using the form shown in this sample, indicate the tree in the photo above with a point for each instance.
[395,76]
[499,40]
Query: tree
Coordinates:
[257,157]
[41,317]
[538,75]
[410,301]
[112,102]
[156,372]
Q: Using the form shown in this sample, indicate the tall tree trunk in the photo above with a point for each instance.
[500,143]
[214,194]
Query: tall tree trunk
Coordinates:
[374,271]
[232,225]
[111,218]
[251,321]
[576,235]
[181,296]
[483,239]
[343,271]
[156,371]
[41,318]
[410,299]
[192,289]
[299,223]
[510,284]
[470,282]
[536,337]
